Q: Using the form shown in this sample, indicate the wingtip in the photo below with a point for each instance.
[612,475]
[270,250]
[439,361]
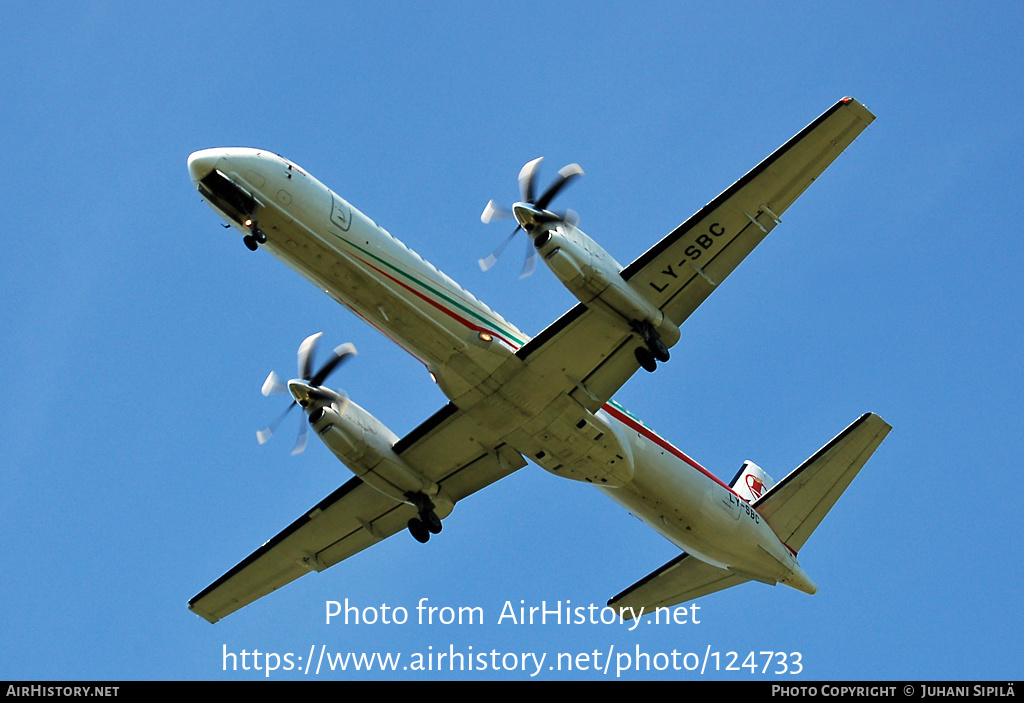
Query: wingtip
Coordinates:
[208,617]
[858,107]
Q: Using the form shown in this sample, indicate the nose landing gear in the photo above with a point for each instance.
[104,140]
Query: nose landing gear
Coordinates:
[255,237]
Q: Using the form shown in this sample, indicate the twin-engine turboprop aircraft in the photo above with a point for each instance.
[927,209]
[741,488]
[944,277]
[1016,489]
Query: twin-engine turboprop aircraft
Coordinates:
[546,399]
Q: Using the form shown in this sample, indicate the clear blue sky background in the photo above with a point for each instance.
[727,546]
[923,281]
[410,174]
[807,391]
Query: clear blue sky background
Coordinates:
[137,331]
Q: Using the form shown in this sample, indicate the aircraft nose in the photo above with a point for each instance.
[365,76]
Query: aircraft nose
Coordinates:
[201,163]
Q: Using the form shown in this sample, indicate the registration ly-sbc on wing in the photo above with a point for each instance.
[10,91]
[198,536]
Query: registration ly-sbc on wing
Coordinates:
[547,399]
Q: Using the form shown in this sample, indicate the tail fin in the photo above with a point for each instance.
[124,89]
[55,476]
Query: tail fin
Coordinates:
[751,482]
[796,505]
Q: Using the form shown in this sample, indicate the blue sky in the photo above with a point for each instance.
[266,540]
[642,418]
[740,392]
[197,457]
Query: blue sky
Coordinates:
[138,331]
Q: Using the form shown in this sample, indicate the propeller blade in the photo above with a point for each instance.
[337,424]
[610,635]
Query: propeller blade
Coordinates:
[531,260]
[569,216]
[570,171]
[341,353]
[565,175]
[492,258]
[273,385]
[493,211]
[268,431]
[300,441]
[527,177]
[306,351]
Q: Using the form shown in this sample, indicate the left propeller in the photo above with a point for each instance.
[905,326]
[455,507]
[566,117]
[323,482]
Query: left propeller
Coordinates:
[311,385]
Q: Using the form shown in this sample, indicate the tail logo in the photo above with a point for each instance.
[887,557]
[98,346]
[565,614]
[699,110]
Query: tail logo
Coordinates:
[755,486]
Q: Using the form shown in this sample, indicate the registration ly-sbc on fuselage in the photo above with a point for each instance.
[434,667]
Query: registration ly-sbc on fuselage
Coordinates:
[547,399]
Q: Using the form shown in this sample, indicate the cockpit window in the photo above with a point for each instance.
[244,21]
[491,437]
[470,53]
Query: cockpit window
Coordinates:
[227,196]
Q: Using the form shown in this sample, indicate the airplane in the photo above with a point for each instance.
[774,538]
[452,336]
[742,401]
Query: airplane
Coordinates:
[546,399]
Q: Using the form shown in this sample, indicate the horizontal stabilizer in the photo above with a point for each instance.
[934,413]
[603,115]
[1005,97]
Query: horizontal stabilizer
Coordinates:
[796,505]
[793,507]
[682,579]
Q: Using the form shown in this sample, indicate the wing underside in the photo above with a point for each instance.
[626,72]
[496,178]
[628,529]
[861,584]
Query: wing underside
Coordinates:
[678,273]
[347,521]
[356,516]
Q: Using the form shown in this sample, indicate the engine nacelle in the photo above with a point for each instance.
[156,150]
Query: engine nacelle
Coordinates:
[594,277]
[364,444]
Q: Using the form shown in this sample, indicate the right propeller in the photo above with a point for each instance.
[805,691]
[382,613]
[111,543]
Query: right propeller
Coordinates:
[527,187]
[313,381]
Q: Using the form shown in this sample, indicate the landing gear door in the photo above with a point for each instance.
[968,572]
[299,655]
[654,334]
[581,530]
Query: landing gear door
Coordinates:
[341,213]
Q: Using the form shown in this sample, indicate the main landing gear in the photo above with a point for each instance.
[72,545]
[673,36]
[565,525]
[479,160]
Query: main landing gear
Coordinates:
[655,350]
[255,237]
[427,523]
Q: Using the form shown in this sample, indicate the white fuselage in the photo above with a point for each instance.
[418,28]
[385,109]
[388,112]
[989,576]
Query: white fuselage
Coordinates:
[462,342]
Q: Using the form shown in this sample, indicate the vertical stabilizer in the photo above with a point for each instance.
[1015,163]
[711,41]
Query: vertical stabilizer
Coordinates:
[751,482]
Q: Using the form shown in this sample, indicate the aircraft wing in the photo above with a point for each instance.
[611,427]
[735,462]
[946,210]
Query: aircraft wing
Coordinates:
[681,270]
[356,516]
[678,273]
[685,578]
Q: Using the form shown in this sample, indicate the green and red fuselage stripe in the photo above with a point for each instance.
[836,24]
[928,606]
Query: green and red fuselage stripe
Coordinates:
[491,328]
[514,342]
